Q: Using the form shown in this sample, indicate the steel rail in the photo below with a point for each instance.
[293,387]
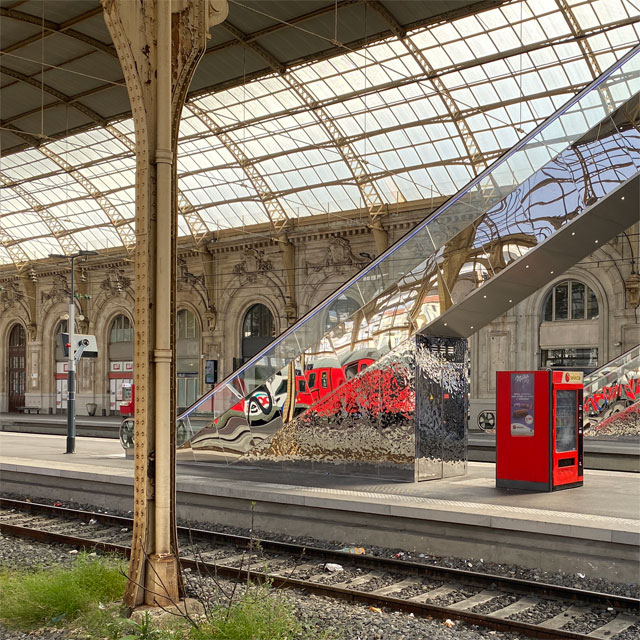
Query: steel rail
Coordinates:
[472,578]
[364,561]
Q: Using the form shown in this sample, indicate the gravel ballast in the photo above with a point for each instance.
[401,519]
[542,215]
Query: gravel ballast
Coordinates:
[357,622]
[585,581]
[361,623]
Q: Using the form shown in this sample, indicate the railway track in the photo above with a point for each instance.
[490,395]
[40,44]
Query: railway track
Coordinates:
[501,603]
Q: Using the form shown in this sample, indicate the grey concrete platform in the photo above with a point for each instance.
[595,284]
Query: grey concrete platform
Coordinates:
[56,424]
[594,529]
[622,454]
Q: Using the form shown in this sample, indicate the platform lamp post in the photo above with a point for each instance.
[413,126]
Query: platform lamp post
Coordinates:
[71,374]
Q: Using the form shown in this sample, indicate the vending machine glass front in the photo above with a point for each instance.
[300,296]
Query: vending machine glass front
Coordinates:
[566,420]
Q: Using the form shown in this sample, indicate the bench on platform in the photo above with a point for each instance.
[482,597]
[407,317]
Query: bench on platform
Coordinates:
[29,409]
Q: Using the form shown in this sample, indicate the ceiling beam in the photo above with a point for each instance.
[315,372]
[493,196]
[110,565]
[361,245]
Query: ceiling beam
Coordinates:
[12,246]
[62,97]
[123,226]
[66,241]
[368,190]
[49,28]
[273,207]
[632,20]
[243,39]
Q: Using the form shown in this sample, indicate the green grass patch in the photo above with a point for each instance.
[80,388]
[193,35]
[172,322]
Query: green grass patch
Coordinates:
[260,614]
[59,595]
[86,599]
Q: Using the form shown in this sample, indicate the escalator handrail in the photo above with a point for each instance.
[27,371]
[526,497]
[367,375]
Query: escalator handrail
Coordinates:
[597,380]
[611,363]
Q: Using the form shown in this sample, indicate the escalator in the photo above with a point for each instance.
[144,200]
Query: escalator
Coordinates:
[566,188]
[612,389]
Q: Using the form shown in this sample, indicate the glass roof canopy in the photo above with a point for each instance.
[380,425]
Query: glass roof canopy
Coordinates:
[401,120]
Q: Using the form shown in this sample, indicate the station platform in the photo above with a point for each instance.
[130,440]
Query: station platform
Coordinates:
[594,529]
[56,424]
[622,454]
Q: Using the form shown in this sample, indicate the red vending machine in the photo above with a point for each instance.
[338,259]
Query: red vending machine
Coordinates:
[539,430]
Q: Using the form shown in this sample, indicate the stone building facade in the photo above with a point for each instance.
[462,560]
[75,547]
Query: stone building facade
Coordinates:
[234,296]
[538,332]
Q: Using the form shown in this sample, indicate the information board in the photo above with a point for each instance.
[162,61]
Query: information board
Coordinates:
[210,371]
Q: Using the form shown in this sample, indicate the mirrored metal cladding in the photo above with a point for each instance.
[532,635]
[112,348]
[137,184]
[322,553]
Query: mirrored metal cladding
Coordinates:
[442,400]
[358,416]
[340,392]
[363,425]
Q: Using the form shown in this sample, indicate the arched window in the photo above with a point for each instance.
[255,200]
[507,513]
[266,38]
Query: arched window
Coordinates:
[17,366]
[188,357]
[258,330]
[18,336]
[570,300]
[121,330]
[62,366]
[120,361]
[62,328]
[187,325]
[565,346]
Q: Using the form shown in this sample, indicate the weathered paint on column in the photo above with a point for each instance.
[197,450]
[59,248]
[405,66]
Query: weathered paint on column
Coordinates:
[153,572]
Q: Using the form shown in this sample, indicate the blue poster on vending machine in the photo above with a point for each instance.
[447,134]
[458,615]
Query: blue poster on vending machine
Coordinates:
[522,403]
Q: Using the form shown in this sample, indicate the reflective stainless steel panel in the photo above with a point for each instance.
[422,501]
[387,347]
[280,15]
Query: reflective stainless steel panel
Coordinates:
[442,388]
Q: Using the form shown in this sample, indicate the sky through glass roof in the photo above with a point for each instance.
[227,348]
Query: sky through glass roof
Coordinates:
[404,119]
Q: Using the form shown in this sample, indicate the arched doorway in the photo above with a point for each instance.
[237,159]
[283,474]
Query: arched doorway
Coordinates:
[17,366]
[188,358]
[258,330]
[120,360]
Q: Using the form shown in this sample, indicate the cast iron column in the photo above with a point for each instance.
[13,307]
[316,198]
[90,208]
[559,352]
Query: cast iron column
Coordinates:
[159,44]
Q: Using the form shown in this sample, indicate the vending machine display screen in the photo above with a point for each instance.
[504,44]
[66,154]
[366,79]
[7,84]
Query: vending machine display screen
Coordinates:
[566,417]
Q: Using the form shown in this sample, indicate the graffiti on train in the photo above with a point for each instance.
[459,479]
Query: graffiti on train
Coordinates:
[611,399]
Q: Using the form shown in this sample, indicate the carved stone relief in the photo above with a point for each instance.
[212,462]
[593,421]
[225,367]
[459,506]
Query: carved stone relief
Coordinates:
[193,283]
[60,290]
[253,265]
[632,285]
[338,257]
[187,280]
[32,331]
[10,294]
[115,283]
